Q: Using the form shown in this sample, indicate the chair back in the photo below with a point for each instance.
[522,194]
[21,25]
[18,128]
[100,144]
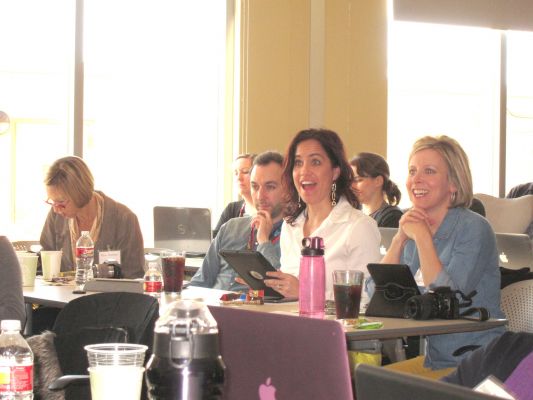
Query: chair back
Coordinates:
[517,304]
[508,215]
[27,245]
[101,318]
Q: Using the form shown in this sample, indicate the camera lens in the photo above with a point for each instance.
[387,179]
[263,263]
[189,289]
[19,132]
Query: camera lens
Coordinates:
[421,307]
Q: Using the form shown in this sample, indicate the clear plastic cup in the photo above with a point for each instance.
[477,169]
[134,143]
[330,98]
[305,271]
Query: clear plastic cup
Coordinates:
[51,263]
[110,363]
[28,266]
[347,288]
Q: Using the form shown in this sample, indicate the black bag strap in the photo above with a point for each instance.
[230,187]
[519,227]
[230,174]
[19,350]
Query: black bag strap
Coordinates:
[483,314]
[395,292]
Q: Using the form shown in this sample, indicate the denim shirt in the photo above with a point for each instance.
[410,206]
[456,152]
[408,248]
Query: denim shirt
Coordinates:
[215,272]
[466,246]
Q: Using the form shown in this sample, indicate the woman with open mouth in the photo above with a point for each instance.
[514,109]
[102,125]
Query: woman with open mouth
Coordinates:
[321,203]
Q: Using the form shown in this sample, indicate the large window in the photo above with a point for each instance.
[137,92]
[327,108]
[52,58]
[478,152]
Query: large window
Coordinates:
[36,92]
[519,149]
[445,79]
[152,104]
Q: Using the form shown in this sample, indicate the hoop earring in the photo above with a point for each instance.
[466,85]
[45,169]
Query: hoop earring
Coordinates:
[333,194]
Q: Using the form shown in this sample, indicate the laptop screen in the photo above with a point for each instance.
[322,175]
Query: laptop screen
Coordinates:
[377,383]
[280,356]
[515,250]
[182,229]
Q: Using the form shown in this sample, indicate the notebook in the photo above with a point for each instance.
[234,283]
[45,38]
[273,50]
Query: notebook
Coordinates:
[515,250]
[279,356]
[183,229]
[373,383]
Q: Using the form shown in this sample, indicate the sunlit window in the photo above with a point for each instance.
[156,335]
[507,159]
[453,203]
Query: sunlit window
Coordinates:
[519,109]
[36,84]
[444,80]
[153,96]
[153,102]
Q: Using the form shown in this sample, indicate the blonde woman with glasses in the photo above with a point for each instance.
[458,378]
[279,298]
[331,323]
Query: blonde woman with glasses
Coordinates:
[76,206]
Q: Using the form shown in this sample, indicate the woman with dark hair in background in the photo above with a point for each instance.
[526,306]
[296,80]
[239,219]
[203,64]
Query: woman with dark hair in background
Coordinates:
[378,195]
[321,203]
[241,173]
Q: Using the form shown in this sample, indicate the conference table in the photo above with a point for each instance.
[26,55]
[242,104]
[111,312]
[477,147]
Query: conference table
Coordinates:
[52,295]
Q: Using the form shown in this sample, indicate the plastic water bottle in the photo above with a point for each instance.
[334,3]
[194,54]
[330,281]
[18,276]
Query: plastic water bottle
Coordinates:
[312,292]
[16,363]
[153,280]
[84,259]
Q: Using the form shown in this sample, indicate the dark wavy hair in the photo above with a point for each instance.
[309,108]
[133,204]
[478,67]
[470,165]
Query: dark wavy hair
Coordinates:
[373,165]
[332,145]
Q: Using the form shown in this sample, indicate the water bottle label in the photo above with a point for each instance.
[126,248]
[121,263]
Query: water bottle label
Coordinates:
[153,286]
[16,378]
[84,251]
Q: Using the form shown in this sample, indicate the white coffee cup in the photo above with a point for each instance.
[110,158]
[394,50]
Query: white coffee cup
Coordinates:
[51,262]
[28,267]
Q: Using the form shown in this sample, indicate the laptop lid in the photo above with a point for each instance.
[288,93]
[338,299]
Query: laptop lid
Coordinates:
[373,383]
[386,238]
[279,356]
[182,229]
[515,250]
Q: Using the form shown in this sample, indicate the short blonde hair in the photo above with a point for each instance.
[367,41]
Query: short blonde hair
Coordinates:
[457,162]
[72,176]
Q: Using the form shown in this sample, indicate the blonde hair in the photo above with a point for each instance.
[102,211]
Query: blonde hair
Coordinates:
[72,176]
[457,162]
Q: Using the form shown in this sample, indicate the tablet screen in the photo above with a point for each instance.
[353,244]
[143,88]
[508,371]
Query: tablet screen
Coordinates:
[252,267]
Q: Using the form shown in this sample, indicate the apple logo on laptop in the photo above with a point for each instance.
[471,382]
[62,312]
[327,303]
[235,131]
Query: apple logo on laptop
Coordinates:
[503,258]
[267,391]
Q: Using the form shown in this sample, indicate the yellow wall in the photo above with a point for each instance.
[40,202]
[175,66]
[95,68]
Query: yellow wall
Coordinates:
[275,70]
[356,87]
[275,73]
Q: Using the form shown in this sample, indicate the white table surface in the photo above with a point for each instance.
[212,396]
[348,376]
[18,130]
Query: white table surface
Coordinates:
[58,296]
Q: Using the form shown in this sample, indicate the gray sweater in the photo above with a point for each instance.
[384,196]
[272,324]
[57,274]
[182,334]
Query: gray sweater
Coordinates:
[120,230]
[11,299]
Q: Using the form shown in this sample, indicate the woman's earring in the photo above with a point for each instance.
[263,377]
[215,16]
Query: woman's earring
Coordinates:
[453,196]
[333,194]
[299,202]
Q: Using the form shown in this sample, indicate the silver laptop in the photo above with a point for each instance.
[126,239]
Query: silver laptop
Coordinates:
[278,356]
[183,229]
[386,238]
[377,383]
[515,250]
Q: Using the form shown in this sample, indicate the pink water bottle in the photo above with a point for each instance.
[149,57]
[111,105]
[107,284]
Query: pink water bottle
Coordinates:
[312,292]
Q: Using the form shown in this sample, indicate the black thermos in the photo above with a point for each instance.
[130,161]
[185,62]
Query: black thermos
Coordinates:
[186,362]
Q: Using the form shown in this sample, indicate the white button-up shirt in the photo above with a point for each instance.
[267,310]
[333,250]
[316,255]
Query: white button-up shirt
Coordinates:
[351,241]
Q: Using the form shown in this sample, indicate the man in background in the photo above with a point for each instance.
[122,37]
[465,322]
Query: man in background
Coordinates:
[258,232]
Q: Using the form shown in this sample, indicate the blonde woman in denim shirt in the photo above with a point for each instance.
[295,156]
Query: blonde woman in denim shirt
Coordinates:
[447,244]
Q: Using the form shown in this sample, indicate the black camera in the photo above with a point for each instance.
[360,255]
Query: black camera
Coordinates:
[441,302]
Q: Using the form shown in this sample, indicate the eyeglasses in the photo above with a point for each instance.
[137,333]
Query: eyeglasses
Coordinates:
[57,204]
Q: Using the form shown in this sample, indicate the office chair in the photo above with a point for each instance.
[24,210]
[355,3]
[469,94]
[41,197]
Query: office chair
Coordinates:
[116,317]
[508,215]
[517,304]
